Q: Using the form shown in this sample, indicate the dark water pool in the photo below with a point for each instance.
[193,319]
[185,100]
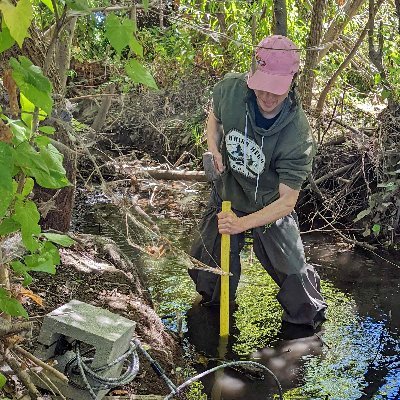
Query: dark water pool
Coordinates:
[355,356]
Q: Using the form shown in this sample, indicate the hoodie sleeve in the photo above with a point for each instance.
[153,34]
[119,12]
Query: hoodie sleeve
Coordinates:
[295,155]
[217,94]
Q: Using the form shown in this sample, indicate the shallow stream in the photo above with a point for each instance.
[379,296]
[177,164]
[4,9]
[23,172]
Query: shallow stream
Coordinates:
[354,356]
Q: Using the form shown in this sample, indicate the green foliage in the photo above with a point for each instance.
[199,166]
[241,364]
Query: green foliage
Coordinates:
[119,32]
[139,74]
[28,159]
[31,82]
[3,380]
[17,18]
[6,40]
[11,306]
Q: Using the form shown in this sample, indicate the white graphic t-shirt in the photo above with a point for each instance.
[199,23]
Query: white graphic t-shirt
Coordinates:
[245,155]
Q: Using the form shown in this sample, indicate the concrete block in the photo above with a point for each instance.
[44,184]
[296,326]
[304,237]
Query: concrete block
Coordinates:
[110,335]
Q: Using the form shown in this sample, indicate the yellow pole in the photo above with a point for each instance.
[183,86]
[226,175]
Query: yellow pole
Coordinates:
[224,301]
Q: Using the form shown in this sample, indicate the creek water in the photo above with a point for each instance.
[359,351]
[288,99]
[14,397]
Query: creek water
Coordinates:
[354,356]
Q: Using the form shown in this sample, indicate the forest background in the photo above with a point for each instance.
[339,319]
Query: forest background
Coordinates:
[84,78]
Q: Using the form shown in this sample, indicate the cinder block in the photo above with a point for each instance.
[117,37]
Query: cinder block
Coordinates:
[110,335]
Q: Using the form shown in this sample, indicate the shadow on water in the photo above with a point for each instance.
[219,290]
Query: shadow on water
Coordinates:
[354,357]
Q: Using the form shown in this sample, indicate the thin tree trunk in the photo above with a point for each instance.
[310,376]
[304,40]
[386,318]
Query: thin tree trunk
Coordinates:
[314,38]
[280,18]
[63,52]
[338,24]
[103,111]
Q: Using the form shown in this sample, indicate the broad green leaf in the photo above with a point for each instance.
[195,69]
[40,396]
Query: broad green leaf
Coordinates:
[28,187]
[27,109]
[51,251]
[139,74]
[11,306]
[45,166]
[32,83]
[42,141]
[8,225]
[6,181]
[119,33]
[78,5]
[48,4]
[21,269]
[146,5]
[136,47]
[6,40]
[3,380]
[27,215]
[18,18]
[62,240]
[21,133]
[40,263]
[48,130]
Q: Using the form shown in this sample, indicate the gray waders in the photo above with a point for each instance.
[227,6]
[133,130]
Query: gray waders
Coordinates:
[280,251]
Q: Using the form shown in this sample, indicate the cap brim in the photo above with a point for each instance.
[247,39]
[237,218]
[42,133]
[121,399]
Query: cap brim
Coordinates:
[277,84]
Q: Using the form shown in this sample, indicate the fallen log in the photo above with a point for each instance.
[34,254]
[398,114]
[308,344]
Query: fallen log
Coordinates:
[175,175]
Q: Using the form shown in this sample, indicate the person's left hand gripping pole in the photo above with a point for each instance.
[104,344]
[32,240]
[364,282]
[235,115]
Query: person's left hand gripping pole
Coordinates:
[225,258]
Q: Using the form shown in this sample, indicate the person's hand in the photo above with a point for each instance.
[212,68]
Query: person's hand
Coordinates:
[219,166]
[230,223]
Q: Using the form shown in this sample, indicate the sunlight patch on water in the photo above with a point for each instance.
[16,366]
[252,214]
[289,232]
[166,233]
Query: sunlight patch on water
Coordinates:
[258,316]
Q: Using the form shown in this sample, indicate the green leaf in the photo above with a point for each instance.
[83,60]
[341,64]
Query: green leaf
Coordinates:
[146,5]
[42,141]
[136,47]
[21,269]
[20,132]
[27,215]
[48,4]
[48,130]
[51,251]
[11,306]
[62,240]
[139,74]
[40,263]
[3,380]
[78,5]
[27,110]
[6,181]
[18,19]
[32,83]
[119,33]
[28,187]
[45,166]
[6,40]
[376,229]
[8,225]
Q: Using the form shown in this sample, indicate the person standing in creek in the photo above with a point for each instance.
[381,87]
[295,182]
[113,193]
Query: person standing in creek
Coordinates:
[263,149]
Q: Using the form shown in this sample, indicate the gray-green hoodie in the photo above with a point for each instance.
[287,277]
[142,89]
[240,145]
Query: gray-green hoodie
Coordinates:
[256,159]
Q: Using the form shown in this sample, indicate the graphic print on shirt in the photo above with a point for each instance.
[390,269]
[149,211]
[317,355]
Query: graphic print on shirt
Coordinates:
[240,149]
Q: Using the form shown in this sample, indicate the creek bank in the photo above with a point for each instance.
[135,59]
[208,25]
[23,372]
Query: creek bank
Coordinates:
[95,271]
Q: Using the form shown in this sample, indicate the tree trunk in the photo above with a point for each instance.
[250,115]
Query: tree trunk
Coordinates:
[63,52]
[103,111]
[313,41]
[56,206]
[338,24]
[280,18]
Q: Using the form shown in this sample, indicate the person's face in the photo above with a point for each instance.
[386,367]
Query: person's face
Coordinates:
[269,103]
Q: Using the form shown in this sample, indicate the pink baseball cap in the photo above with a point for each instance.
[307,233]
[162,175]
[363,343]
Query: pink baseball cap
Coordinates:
[277,59]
